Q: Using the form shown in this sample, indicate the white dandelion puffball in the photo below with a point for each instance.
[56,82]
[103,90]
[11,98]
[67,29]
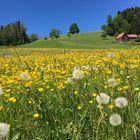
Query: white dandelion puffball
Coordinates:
[4,129]
[78,74]
[25,76]
[70,80]
[0,90]
[103,98]
[112,82]
[115,119]
[121,102]
[111,55]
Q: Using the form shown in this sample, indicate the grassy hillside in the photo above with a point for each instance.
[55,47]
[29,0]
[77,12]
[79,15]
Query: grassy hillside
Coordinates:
[81,41]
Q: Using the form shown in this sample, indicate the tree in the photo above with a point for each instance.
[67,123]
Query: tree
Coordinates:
[69,34]
[127,21]
[33,37]
[74,28]
[13,34]
[45,38]
[104,35]
[55,33]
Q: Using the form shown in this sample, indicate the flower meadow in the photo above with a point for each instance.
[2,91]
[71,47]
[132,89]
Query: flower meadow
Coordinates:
[51,94]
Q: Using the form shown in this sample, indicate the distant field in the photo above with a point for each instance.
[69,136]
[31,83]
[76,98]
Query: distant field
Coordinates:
[81,41]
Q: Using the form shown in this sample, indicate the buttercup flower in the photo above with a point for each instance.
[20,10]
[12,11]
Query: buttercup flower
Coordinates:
[121,102]
[103,98]
[78,74]
[115,120]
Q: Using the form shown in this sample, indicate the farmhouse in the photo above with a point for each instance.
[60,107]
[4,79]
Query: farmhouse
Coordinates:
[123,37]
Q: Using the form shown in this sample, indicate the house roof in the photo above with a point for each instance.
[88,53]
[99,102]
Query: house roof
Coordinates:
[132,35]
[120,35]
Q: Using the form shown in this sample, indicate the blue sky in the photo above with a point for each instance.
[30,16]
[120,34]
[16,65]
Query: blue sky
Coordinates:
[39,16]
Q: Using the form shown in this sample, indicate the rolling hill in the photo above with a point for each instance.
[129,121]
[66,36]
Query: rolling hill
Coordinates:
[91,40]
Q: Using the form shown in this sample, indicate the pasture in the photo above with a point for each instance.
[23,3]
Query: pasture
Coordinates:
[58,94]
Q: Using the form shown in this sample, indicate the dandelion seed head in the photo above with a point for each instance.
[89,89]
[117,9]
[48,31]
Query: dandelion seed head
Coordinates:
[115,120]
[121,102]
[103,98]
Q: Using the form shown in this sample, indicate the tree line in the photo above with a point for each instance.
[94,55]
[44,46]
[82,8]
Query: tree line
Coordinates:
[15,34]
[127,21]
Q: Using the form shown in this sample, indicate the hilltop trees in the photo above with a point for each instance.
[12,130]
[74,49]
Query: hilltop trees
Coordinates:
[74,28]
[127,21]
[33,37]
[55,33]
[13,34]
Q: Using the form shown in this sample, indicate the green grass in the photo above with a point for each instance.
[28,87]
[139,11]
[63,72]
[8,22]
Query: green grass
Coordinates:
[80,41]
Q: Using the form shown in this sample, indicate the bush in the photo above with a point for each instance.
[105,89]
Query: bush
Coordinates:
[46,38]
[138,39]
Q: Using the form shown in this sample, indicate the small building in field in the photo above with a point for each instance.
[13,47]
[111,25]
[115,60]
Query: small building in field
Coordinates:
[132,37]
[123,37]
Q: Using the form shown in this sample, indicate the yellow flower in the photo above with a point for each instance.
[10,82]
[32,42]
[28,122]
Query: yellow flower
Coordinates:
[110,106]
[125,87]
[91,101]
[79,107]
[75,130]
[119,89]
[94,94]
[29,101]
[75,92]
[36,116]
[1,108]
[139,94]
[12,99]
[40,89]
[136,89]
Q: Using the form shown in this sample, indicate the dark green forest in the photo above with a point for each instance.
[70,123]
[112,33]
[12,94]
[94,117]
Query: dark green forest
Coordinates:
[127,21]
[13,34]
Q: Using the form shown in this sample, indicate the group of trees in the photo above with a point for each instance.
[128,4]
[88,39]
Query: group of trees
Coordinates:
[73,29]
[15,34]
[127,21]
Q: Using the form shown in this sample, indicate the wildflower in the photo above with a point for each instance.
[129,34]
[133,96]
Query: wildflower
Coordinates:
[0,90]
[40,89]
[78,74]
[136,89]
[12,99]
[121,102]
[70,80]
[75,130]
[36,116]
[110,106]
[112,82]
[25,76]
[91,102]
[103,98]
[139,94]
[79,107]
[115,120]
[94,94]
[119,89]
[125,87]
[75,92]
[4,130]
[111,55]
[1,108]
